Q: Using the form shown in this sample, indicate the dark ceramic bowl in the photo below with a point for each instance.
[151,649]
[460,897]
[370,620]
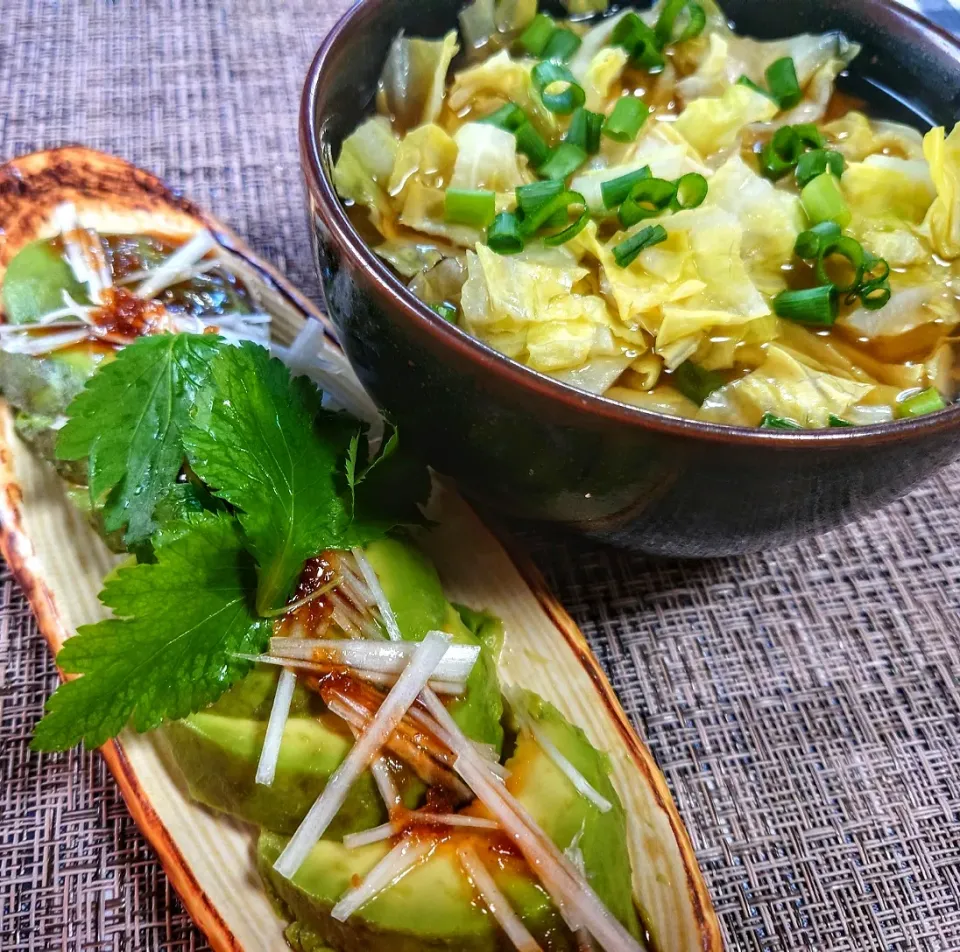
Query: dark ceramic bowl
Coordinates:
[539,449]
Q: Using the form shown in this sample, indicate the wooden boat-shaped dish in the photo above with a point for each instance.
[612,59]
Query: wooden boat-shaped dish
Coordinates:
[60,563]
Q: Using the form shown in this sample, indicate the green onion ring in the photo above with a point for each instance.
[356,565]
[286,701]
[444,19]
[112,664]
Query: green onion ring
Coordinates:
[845,247]
[546,76]
[647,199]
[539,216]
[691,190]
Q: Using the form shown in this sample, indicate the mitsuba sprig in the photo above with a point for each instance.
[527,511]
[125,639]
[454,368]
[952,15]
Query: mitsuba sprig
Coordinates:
[226,475]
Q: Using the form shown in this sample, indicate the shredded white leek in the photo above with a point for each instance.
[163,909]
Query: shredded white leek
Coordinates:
[183,259]
[267,767]
[495,901]
[371,677]
[383,778]
[36,345]
[386,612]
[88,264]
[379,833]
[390,870]
[361,755]
[380,656]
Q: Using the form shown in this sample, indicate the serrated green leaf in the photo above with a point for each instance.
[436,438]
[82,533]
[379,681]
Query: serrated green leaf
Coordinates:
[169,650]
[128,422]
[264,444]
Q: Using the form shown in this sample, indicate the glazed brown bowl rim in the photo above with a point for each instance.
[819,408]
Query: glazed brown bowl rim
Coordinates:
[527,380]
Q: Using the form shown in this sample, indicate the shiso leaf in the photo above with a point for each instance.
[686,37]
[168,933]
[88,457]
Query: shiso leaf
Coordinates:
[129,421]
[152,662]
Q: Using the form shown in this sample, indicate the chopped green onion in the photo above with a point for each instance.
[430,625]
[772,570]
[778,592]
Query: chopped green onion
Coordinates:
[510,117]
[647,199]
[571,231]
[640,41]
[532,197]
[537,217]
[547,76]
[531,144]
[815,163]
[875,294]
[816,306]
[562,45]
[750,84]
[666,28]
[626,252]
[781,153]
[447,311]
[504,235]
[927,401]
[843,247]
[690,192]
[834,420]
[823,201]
[875,269]
[585,129]
[565,159]
[535,37]
[623,124]
[694,382]
[809,242]
[809,135]
[474,207]
[615,191]
[770,421]
[783,83]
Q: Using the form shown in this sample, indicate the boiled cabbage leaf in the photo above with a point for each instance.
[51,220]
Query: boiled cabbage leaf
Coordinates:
[710,124]
[770,218]
[486,158]
[597,375]
[515,15]
[363,171]
[856,137]
[593,41]
[942,223]
[408,257]
[423,211]
[661,399]
[498,80]
[788,387]
[907,309]
[602,74]
[427,153]
[414,78]
[882,185]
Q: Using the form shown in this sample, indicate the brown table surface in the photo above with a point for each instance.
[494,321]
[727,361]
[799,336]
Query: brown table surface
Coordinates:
[804,704]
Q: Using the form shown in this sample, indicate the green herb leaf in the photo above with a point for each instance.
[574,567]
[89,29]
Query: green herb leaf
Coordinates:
[263,443]
[129,421]
[154,662]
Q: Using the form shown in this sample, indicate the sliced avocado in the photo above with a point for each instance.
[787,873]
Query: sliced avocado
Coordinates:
[218,749]
[433,907]
[35,281]
[553,801]
[412,587]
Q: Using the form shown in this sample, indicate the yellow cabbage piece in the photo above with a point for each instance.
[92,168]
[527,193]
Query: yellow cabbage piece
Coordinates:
[408,257]
[883,185]
[593,41]
[771,219]
[486,158]
[856,137]
[427,153]
[514,15]
[414,78]
[597,375]
[890,238]
[788,387]
[366,162]
[713,123]
[943,220]
[661,399]
[528,306]
[602,74]
[907,309]
[495,81]
[423,211]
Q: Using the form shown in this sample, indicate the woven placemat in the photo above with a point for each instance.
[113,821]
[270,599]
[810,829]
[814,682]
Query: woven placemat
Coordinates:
[804,704]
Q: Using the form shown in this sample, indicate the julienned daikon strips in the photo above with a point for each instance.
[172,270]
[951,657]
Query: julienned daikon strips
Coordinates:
[639,200]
